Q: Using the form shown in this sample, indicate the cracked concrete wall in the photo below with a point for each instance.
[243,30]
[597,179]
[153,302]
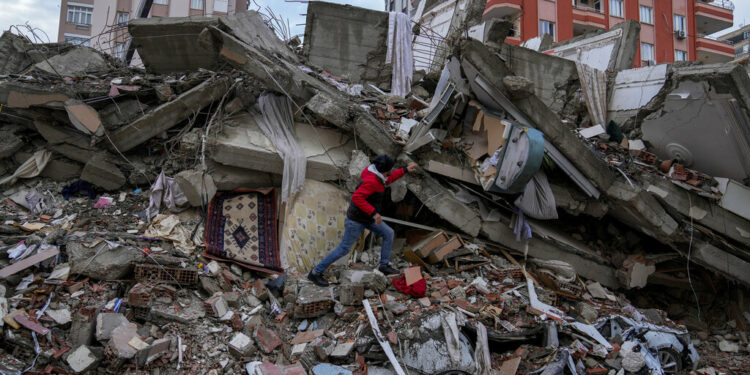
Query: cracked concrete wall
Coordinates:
[348,41]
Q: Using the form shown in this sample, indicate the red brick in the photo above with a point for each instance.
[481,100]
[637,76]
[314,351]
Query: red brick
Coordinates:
[266,339]
[268,368]
[295,369]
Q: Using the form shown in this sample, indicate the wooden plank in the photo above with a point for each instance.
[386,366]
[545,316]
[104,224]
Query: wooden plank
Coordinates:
[28,262]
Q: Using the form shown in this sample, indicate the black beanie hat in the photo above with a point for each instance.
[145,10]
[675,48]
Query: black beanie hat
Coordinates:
[383,163]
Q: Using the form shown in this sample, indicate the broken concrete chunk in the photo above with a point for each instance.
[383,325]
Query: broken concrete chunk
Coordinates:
[119,344]
[169,114]
[199,188]
[100,172]
[519,87]
[9,144]
[241,345]
[74,63]
[82,359]
[106,323]
[111,264]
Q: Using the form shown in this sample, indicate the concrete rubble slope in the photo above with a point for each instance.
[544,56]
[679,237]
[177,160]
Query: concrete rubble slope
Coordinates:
[145,233]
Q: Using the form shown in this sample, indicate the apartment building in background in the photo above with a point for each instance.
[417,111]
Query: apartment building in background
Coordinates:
[102,24]
[740,39]
[671,30]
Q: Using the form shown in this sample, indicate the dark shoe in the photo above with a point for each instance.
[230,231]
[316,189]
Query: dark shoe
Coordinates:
[386,269]
[317,279]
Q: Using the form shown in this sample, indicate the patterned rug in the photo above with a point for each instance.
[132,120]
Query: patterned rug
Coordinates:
[241,227]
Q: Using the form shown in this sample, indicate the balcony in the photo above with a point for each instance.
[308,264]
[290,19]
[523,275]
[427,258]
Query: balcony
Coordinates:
[587,18]
[712,51]
[713,16]
[501,9]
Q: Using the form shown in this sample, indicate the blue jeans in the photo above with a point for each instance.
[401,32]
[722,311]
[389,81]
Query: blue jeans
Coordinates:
[351,234]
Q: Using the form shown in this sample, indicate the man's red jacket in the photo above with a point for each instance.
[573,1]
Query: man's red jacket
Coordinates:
[367,200]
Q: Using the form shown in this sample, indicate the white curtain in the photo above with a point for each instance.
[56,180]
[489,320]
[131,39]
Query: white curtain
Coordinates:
[399,53]
[277,123]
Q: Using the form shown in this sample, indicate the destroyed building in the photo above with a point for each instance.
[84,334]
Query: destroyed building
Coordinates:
[570,215]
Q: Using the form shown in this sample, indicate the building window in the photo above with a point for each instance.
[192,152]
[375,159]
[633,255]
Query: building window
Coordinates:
[615,8]
[680,55]
[77,40]
[679,23]
[196,4]
[547,27]
[80,15]
[122,19]
[742,50]
[120,51]
[647,53]
[746,35]
[647,15]
[161,2]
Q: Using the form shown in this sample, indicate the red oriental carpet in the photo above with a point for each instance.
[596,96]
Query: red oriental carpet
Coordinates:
[241,227]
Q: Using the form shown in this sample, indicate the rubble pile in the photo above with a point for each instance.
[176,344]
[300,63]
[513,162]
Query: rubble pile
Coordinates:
[162,219]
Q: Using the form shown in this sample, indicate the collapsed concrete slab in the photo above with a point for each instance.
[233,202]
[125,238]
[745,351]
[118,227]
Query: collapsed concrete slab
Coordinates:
[347,41]
[550,245]
[611,50]
[242,144]
[553,77]
[13,53]
[685,127]
[486,70]
[76,62]
[250,28]
[169,114]
[167,44]
[101,172]
[443,203]
[229,178]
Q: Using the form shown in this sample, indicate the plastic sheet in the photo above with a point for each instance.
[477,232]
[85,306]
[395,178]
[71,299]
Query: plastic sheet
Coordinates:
[277,123]
[537,200]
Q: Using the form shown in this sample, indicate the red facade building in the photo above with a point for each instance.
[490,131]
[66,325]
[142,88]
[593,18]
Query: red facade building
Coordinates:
[671,30]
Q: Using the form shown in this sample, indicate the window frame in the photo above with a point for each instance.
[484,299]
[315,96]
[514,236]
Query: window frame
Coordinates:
[202,4]
[650,49]
[684,55]
[650,13]
[77,40]
[551,28]
[79,15]
[683,24]
[161,2]
[621,8]
[119,17]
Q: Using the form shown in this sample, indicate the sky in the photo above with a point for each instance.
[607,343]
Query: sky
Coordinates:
[45,14]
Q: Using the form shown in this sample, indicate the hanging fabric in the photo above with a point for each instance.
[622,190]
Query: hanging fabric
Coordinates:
[399,53]
[277,123]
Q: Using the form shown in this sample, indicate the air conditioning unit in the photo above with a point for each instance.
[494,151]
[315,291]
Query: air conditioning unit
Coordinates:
[680,34]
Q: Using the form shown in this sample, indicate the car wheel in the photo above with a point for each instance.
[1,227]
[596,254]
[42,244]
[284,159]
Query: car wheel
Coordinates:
[670,361]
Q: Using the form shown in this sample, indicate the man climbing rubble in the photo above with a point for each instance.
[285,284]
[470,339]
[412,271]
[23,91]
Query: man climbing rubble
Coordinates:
[364,212]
